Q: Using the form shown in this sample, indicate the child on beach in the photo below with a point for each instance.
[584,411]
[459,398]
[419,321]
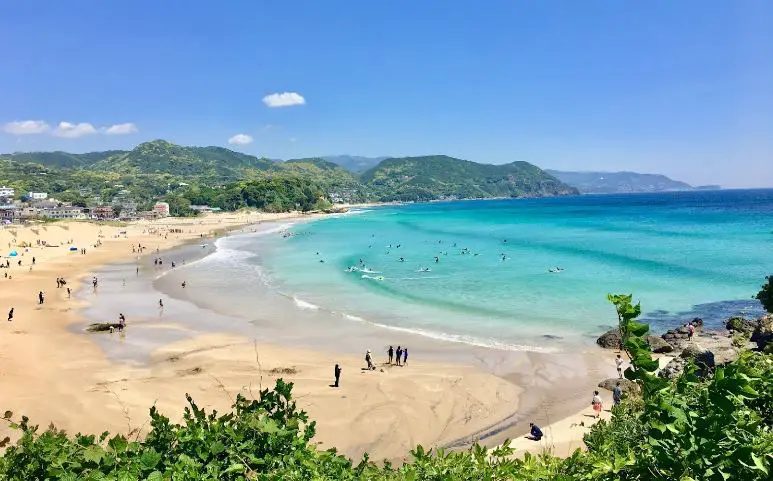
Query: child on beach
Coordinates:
[597,404]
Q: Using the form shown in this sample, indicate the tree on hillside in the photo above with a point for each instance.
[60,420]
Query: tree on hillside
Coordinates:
[765,296]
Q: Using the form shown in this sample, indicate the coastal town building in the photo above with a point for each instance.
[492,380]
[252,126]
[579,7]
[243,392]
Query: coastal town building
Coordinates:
[6,195]
[37,195]
[161,209]
[64,212]
[103,212]
[9,213]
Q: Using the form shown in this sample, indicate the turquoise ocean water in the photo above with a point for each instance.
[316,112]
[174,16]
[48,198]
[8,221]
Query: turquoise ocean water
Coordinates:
[683,255]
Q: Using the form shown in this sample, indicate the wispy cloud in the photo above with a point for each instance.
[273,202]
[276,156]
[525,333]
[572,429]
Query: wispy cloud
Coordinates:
[66,130]
[70,130]
[240,139]
[121,129]
[285,99]
[26,127]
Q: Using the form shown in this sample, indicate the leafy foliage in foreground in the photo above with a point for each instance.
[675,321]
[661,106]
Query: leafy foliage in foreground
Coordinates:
[716,428]
[765,296]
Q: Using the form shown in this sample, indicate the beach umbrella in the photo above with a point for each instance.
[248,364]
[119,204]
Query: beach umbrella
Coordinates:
[13,254]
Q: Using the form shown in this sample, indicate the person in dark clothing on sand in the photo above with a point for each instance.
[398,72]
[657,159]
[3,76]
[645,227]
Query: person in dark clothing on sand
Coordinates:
[405,356]
[535,433]
[399,354]
[68,293]
[391,354]
[337,373]
[41,297]
[10,315]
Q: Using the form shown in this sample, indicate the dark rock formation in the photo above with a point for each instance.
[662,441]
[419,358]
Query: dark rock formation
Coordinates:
[626,385]
[673,369]
[763,332]
[703,358]
[611,339]
[741,324]
[658,345]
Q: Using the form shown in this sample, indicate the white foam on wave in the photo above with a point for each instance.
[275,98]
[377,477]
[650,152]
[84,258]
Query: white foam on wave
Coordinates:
[458,338]
[301,304]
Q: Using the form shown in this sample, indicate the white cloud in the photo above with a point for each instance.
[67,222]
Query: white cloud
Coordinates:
[285,99]
[121,129]
[240,139]
[25,127]
[69,130]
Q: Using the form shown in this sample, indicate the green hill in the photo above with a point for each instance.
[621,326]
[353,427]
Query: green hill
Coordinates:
[443,177]
[160,156]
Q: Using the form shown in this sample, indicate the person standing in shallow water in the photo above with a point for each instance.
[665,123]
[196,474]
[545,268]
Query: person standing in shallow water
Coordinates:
[337,374]
[391,354]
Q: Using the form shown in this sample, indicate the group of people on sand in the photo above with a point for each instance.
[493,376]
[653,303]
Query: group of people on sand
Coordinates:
[399,356]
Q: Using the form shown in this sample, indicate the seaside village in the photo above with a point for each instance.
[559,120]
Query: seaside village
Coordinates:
[20,208]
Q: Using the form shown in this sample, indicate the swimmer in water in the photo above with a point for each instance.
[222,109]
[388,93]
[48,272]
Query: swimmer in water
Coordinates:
[402,259]
[437,259]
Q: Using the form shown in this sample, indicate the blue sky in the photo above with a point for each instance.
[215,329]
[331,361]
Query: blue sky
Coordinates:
[682,88]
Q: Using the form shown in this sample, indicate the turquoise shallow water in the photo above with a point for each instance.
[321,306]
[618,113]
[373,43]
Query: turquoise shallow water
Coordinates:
[682,255]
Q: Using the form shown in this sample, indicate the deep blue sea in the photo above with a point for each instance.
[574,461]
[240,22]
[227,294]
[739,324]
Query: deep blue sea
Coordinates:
[518,273]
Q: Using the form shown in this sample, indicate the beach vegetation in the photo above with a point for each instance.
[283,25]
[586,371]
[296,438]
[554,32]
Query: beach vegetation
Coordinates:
[765,296]
[704,425]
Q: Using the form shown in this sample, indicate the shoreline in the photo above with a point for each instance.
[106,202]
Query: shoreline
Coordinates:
[99,377]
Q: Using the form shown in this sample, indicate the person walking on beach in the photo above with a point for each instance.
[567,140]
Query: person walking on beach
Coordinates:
[41,297]
[535,433]
[690,331]
[33,261]
[161,304]
[10,315]
[391,354]
[405,356]
[369,361]
[617,394]
[121,322]
[399,354]
[337,374]
[68,293]
[597,404]
[619,364]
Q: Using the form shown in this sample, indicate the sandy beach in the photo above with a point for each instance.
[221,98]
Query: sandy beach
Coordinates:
[55,373]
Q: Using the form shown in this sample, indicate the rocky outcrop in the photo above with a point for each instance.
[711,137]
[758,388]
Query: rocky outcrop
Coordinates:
[611,339]
[673,369]
[741,324]
[659,345]
[763,333]
[626,385]
[702,357]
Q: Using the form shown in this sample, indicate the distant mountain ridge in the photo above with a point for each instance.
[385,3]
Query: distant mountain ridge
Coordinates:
[354,163]
[158,165]
[621,182]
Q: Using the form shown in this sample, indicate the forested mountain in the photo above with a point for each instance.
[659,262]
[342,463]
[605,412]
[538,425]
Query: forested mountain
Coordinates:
[618,182]
[440,176]
[228,179]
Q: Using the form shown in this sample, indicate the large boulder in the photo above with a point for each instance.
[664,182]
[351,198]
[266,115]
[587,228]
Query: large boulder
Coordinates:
[741,324]
[703,358]
[626,385]
[611,339]
[763,332]
[659,345]
[673,369]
